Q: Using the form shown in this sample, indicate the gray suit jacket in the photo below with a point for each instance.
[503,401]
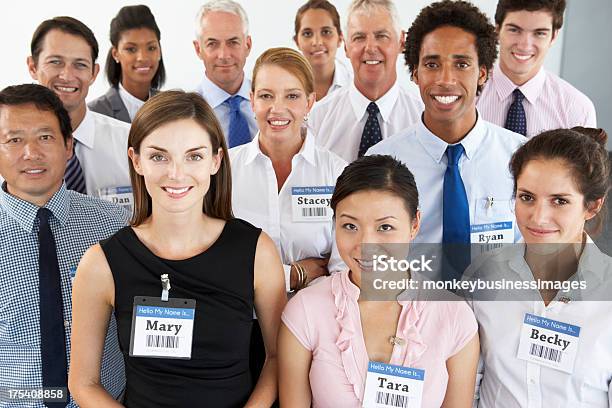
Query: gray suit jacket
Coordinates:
[110,104]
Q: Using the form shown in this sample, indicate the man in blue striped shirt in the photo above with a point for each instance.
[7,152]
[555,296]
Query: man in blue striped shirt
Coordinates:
[35,145]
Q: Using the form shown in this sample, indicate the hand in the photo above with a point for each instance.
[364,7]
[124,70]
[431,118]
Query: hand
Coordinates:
[314,267]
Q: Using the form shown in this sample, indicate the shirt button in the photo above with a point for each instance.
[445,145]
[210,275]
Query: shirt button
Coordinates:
[532,381]
[66,323]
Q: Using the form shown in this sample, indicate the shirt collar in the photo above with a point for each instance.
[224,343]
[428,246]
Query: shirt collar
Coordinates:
[129,97]
[307,151]
[436,147]
[215,96]
[531,89]
[85,133]
[340,76]
[24,212]
[385,103]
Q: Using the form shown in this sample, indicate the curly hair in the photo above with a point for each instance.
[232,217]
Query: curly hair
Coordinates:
[555,7]
[460,14]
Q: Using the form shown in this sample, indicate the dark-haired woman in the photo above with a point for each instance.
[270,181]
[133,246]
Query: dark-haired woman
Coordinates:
[335,346]
[183,279]
[134,64]
[551,346]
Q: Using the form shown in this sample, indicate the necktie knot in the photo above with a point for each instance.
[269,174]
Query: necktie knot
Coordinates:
[43,215]
[518,95]
[373,108]
[453,153]
[234,102]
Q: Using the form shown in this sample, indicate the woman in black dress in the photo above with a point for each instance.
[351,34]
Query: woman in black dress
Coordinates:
[183,278]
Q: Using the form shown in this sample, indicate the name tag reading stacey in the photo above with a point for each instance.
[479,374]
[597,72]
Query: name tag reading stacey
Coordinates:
[118,195]
[311,204]
[390,385]
[162,329]
[548,342]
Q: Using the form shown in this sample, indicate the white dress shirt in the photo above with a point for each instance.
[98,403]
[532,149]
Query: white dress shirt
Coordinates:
[132,103]
[337,121]
[550,102]
[256,199]
[483,169]
[343,76]
[102,152]
[216,97]
[506,380]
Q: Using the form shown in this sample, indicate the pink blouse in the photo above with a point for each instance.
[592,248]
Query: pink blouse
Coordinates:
[325,319]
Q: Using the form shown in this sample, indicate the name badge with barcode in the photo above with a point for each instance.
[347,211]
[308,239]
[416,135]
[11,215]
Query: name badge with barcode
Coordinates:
[390,385]
[311,204]
[162,329]
[548,342]
[118,195]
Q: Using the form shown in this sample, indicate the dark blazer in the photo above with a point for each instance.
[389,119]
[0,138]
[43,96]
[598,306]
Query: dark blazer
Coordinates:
[110,104]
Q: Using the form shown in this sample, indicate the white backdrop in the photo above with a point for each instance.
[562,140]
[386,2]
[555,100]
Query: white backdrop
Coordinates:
[271,24]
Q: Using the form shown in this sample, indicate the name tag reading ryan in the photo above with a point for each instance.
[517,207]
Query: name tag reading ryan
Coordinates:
[311,204]
[390,385]
[162,329]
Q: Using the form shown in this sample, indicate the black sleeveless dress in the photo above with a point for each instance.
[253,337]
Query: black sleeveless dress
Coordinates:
[221,281]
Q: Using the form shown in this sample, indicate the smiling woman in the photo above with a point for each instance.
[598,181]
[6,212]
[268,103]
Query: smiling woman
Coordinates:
[193,345]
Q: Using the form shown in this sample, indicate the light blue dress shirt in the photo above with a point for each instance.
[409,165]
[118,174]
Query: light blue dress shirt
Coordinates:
[483,168]
[216,97]
[78,222]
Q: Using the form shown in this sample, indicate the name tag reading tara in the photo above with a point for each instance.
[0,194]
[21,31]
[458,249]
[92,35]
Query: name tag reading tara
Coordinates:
[390,385]
[311,204]
[162,329]
[548,342]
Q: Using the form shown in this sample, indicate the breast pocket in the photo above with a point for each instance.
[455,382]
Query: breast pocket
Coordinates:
[493,222]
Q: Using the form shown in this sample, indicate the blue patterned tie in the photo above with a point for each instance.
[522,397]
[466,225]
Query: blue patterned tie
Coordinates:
[75,179]
[238,127]
[516,120]
[52,336]
[371,131]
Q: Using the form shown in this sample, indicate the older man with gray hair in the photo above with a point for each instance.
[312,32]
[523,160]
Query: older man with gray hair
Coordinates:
[374,106]
[223,43]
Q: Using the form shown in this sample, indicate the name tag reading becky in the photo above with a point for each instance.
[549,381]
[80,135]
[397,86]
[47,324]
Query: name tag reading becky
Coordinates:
[118,195]
[311,204]
[393,386]
[162,329]
[548,342]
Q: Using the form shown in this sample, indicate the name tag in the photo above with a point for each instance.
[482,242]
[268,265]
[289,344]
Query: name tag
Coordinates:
[72,274]
[548,342]
[311,204]
[490,236]
[390,385]
[162,329]
[118,195]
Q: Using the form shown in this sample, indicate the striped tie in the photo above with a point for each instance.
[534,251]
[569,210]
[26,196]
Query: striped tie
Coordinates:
[75,180]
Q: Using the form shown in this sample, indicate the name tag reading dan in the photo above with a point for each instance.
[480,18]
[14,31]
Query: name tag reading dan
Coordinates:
[311,204]
[390,385]
[548,342]
[118,195]
[162,329]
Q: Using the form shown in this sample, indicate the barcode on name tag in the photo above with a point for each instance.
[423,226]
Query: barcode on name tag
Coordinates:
[545,352]
[391,400]
[314,212]
[154,340]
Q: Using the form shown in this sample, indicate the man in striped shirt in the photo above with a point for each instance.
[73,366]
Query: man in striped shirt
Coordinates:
[521,95]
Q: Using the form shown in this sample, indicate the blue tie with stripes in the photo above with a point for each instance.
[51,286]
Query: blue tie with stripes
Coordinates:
[75,179]
[516,120]
[238,127]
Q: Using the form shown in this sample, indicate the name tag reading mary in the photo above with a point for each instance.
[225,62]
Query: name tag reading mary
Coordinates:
[311,204]
[390,385]
[162,329]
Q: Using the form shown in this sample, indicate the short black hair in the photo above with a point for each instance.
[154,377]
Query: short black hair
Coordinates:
[460,14]
[128,18]
[378,173]
[555,7]
[67,25]
[41,97]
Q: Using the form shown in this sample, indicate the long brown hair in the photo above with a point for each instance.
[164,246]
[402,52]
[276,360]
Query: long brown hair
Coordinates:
[170,106]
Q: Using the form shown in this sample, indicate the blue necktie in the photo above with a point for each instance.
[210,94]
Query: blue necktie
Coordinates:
[238,127]
[75,179]
[371,131]
[52,336]
[516,120]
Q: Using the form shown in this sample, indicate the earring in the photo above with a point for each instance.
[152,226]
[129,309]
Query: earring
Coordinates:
[306,118]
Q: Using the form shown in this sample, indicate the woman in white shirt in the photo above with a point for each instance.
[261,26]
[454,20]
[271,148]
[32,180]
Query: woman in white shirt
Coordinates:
[318,36]
[134,65]
[551,345]
[282,182]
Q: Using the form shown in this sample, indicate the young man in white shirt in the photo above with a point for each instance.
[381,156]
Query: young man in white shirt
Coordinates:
[223,44]
[374,106]
[63,59]
[521,95]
